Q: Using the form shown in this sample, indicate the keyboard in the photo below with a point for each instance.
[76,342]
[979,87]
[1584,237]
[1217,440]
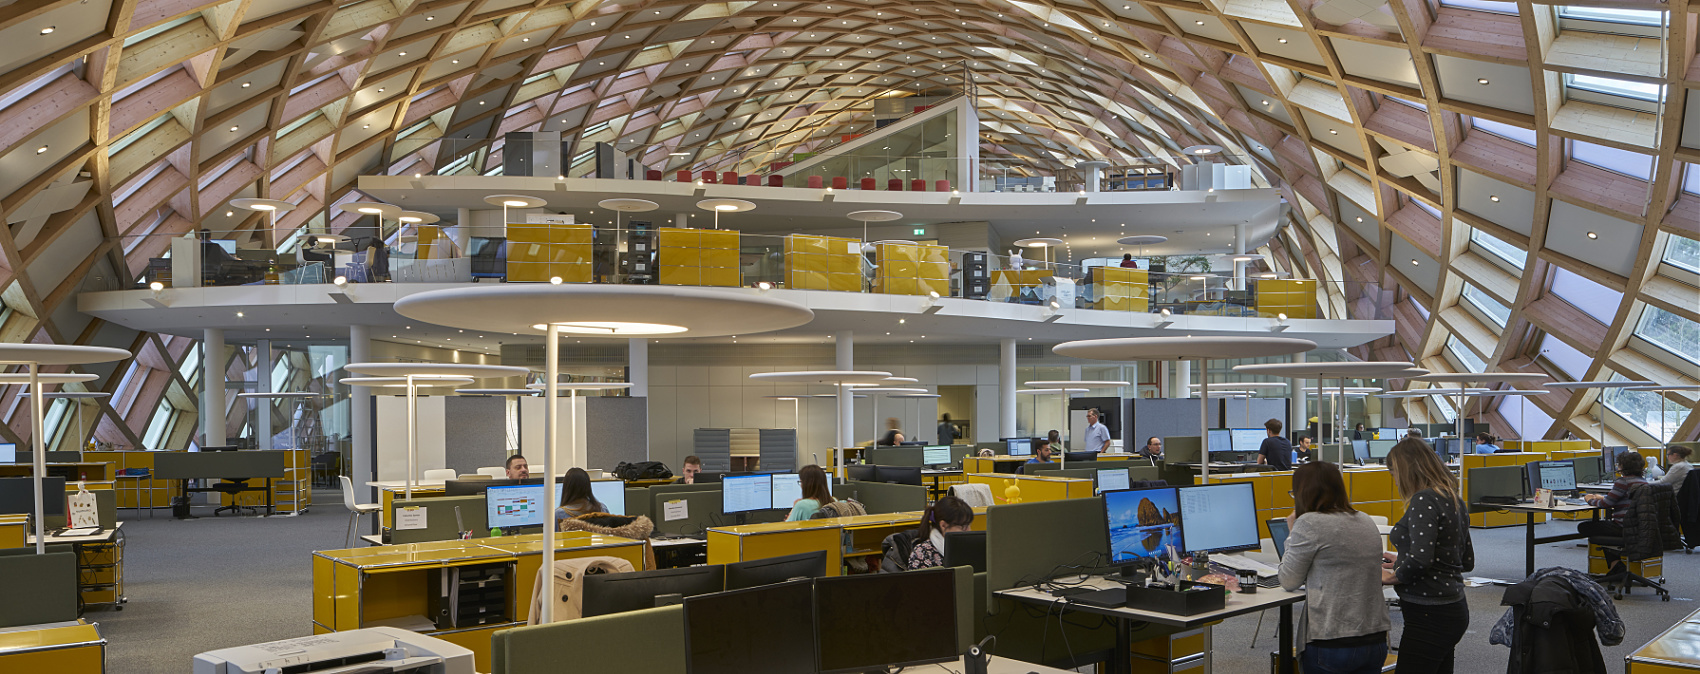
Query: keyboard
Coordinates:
[1239,563]
[1572,501]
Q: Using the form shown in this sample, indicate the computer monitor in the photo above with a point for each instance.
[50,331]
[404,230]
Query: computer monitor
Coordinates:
[1018,446]
[1218,440]
[1388,434]
[8,452]
[1588,470]
[1110,479]
[607,593]
[1142,524]
[965,548]
[862,472]
[1183,449]
[1360,450]
[901,475]
[762,629]
[936,455]
[612,494]
[744,493]
[854,626]
[17,496]
[477,487]
[707,477]
[1609,456]
[755,573]
[229,245]
[787,489]
[1466,446]
[1219,517]
[1446,447]
[516,505]
[1559,476]
[1247,439]
[1378,449]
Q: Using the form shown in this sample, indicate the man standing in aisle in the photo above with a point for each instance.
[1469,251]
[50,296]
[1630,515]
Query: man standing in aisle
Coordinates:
[1275,450]
[1097,434]
[947,430]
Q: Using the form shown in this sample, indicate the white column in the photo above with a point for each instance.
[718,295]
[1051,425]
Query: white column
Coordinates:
[212,388]
[637,367]
[1183,379]
[1296,394]
[461,233]
[1006,388]
[846,360]
[681,220]
[1164,386]
[1239,249]
[263,384]
[361,454]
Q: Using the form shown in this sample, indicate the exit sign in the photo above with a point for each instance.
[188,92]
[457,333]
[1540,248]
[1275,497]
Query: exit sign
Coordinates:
[920,231]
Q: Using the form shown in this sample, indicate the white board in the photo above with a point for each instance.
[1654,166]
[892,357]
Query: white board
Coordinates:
[391,432]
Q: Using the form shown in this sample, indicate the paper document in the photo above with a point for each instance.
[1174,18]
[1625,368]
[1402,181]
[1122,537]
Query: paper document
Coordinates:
[675,510]
[83,512]
[410,518]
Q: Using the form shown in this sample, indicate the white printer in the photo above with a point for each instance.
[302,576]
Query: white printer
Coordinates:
[374,649]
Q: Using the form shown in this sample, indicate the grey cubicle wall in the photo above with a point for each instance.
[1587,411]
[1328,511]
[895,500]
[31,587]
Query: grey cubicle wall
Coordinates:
[778,449]
[1233,412]
[38,588]
[703,511]
[616,429]
[881,497]
[1163,417]
[714,447]
[894,456]
[475,432]
[440,522]
[248,463]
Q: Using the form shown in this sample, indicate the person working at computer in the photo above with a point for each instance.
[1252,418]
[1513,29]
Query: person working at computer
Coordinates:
[1055,438]
[1335,552]
[1677,457]
[1484,444]
[577,498]
[517,468]
[1305,450]
[692,466]
[1041,451]
[816,493]
[1358,432]
[1127,261]
[1275,450]
[1153,448]
[948,514]
[1097,434]
[947,430]
[1434,551]
[1631,469]
[893,437]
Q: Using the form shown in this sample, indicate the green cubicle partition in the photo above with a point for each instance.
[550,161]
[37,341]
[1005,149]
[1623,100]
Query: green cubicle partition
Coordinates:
[440,522]
[249,463]
[882,497]
[637,502]
[1030,541]
[1183,449]
[893,456]
[702,510]
[639,642]
[1492,481]
[38,588]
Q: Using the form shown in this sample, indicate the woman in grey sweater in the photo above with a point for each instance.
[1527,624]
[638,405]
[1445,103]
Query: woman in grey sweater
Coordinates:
[1334,551]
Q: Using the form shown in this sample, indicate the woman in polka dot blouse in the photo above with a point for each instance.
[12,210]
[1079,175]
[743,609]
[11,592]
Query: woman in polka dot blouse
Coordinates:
[1434,551]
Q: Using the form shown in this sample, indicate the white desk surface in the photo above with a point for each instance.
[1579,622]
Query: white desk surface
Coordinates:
[102,537]
[676,542]
[1237,604]
[1532,508]
[998,666]
[402,484]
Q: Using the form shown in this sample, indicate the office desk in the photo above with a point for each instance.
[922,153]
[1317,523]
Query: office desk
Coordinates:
[390,491]
[992,464]
[249,464]
[938,477]
[100,565]
[840,537]
[1237,604]
[998,666]
[74,647]
[1529,511]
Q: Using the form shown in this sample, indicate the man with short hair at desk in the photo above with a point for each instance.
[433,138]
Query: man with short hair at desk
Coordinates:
[692,466]
[517,468]
[1153,448]
[1097,434]
[1275,450]
[1041,451]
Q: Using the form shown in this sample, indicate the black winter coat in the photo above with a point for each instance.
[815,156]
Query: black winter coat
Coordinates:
[1553,629]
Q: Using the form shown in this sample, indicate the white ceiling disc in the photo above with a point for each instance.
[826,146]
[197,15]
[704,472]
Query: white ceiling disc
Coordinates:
[263,205]
[370,208]
[281,394]
[1599,384]
[863,377]
[604,310]
[1142,240]
[1481,377]
[1075,384]
[874,216]
[46,378]
[437,370]
[496,391]
[59,354]
[514,201]
[726,205]
[1331,369]
[629,205]
[417,217]
[401,382]
[72,395]
[1182,348]
[1038,242]
[583,386]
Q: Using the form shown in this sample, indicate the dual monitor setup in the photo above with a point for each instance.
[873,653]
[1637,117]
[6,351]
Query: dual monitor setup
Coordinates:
[759,491]
[784,614]
[1563,477]
[516,506]
[1146,525]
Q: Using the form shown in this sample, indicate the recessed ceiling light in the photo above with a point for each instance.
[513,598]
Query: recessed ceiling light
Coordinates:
[1592,235]
[401,54]
[1481,80]
[1333,132]
[525,39]
[431,18]
[1493,197]
[1198,23]
[245,85]
[366,126]
[229,213]
[1282,40]
[41,149]
[1360,218]
[1414,262]
[48,29]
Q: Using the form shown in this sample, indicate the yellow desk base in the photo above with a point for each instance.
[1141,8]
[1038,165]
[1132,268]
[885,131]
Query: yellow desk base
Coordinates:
[62,648]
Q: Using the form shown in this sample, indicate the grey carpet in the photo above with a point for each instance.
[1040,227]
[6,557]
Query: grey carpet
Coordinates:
[213,583]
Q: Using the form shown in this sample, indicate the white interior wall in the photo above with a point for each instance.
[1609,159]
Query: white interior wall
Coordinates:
[570,423]
[391,432]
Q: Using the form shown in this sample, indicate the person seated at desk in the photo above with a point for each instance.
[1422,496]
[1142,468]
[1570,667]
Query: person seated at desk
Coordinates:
[1631,469]
[692,466]
[1275,450]
[1153,448]
[1484,444]
[1041,451]
[1097,434]
[1055,438]
[1677,457]
[517,468]
[1305,450]
[1358,432]
[948,514]
[893,436]
[1434,551]
[1335,552]
[577,498]
[816,493]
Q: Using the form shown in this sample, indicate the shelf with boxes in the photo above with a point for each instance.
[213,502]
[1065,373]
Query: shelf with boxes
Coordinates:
[698,257]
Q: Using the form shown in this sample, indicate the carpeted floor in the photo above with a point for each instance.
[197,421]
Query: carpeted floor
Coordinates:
[211,583]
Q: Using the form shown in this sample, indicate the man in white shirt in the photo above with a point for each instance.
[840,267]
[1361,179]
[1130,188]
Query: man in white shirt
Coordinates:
[1097,434]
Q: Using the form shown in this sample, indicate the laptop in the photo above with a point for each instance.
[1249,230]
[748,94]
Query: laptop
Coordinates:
[1278,536]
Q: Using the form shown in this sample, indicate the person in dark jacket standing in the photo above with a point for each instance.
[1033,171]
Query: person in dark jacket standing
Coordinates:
[1434,551]
[1275,450]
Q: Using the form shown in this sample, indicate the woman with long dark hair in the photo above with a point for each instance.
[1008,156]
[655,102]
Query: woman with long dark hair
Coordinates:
[948,514]
[1334,551]
[577,497]
[1433,539]
[817,492]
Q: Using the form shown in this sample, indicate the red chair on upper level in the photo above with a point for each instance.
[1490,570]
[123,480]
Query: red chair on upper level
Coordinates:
[816,182]
[894,185]
[711,177]
[729,178]
[840,183]
[869,184]
[652,174]
[683,175]
[917,185]
[776,181]
[941,185]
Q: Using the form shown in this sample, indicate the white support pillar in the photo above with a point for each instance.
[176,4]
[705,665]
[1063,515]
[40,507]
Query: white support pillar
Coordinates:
[461,233]
[681,220]
[1006,388]
[1164,386]
[846,360]
[1239,249]
[263,384]
[1296,394]
[363,458]
[212,388]
[637,367]
[1183,379]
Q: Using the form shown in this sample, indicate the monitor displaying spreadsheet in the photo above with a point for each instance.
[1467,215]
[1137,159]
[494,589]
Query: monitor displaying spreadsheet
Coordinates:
[744,493]
[518,505]
[935,455]
[612,494]
[787,489]
[1219,518]
[1111,479]
[1247,439]
[1018,446]
[1219,440]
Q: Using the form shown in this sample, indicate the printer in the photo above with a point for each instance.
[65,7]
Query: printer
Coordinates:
[371,650]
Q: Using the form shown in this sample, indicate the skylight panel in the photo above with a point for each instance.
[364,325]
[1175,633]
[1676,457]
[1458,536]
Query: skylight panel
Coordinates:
[1641,91]
[1506,131]
[1482,6]
[1612,159]
[1592,298]
[1608,14]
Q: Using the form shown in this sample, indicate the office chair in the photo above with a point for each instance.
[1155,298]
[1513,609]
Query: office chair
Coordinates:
[1638,543]
[495,472]
[233,486]
[440,474]
[355,510]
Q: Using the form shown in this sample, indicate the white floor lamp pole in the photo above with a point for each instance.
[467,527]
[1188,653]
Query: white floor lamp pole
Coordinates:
[38,445]
[412,436]
[551,416]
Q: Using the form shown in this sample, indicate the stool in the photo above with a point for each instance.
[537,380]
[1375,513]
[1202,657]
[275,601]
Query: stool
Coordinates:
[816,182]
[941,185]
[776,181]
[652,174]
[840,183]
[711,177]
[729,178]
[869,184]
[894,185]
[917,185]
[683,175]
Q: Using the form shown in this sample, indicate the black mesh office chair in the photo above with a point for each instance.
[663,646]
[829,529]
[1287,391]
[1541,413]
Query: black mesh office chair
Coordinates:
[1648,532]
[234,487]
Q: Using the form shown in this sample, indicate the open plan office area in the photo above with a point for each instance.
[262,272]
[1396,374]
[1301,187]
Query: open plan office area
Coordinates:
[972,336]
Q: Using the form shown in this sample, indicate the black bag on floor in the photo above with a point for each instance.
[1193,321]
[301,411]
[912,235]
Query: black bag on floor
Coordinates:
[642,470]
